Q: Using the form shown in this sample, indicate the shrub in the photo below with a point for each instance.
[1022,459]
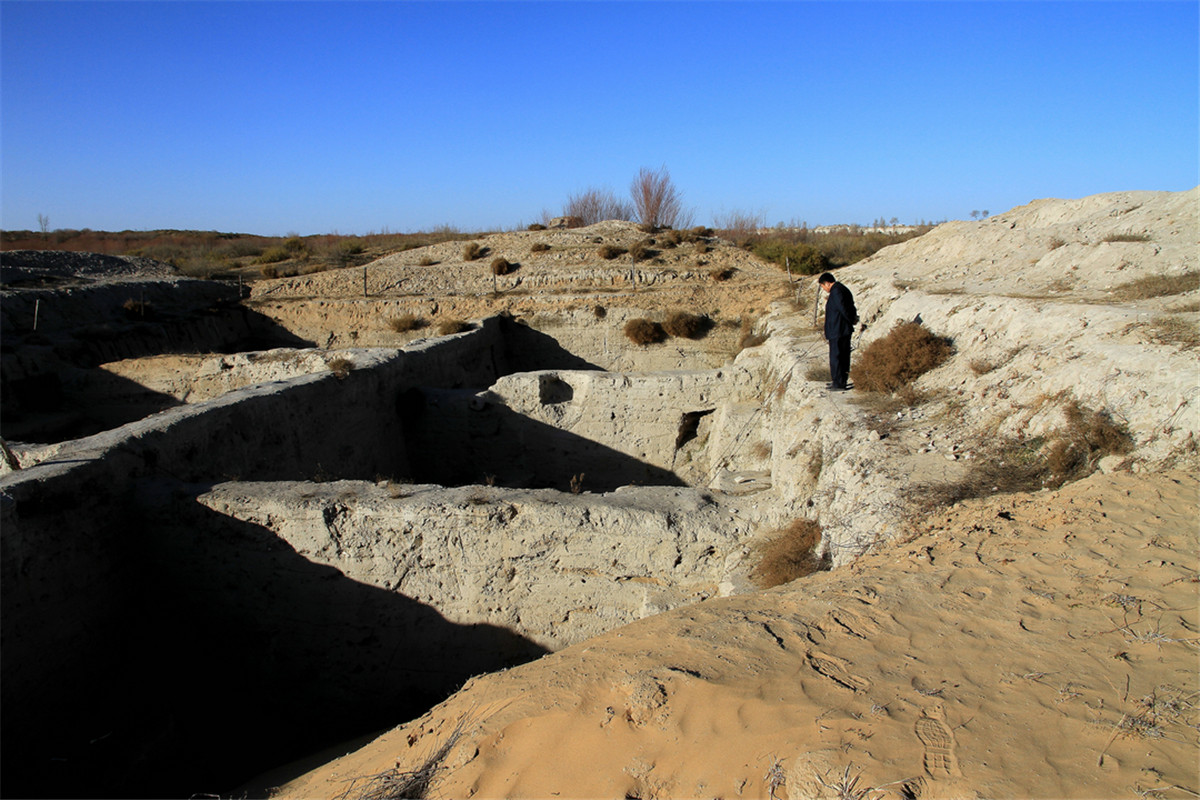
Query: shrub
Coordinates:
[447,327]
[501,266]
[426,261]
[656,200]
[683,325]
[640,251]
[600,312]
[539,247]
[790,554]
[722,275]
[596,205]
[906,353]
[537,226]
[273,255]
[1057,242]
[1157,286]
[406,322]
[610,251]
[643,331]
[269,271]
[340,367]
[473,250]
[1127,237]
[801,258]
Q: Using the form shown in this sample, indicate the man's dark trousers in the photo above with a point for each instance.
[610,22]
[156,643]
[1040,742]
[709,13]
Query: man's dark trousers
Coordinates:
[839,361]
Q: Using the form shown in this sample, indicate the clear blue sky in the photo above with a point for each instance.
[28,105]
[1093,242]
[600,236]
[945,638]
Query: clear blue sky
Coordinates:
[310,117]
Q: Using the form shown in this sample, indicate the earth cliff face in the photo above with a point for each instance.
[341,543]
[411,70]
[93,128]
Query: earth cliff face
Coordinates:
[1031,644]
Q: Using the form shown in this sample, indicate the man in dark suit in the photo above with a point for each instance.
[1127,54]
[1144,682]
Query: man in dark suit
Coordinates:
[840,319]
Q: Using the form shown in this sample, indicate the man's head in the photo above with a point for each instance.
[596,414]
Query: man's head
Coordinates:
[826,281]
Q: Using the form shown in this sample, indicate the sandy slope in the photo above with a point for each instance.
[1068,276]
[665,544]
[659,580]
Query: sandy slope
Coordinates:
[1034,645]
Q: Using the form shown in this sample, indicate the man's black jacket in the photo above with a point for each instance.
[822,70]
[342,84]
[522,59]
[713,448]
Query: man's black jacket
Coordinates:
[840,313]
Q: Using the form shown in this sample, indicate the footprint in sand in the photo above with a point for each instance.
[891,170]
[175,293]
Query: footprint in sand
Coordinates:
[837,670]
[938,739]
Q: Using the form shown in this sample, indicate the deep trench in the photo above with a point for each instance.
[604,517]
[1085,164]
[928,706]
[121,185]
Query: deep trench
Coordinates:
[150,647]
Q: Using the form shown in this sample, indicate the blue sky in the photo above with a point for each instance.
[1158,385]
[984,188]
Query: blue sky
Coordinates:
[312,117]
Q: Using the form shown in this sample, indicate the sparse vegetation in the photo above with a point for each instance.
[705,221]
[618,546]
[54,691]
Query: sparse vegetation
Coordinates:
[426,261]
[539,247]
[656,201]
[789,554]
[405,323]
[1127,237]
[810,252]
[723,274]
[644,331]
[610,251]
[451,326]
[1175,330]
[749,337]
[597,205]
[684,325]
[906,353]
[473,250]
[641,251]
[502,266]
[1156,286]
[340,367]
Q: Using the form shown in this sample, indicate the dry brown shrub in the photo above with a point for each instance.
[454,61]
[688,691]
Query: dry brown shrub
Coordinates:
[340,367]
[450,326]
[427,261]
[610,251]
[1157,286]
[473,250]
[906,353]
[501,266]
[406,322]
[599,312]
[981,366]
[790,554]
[539,247]
[644,331]
[722,275]
[683,325]
[1175,330]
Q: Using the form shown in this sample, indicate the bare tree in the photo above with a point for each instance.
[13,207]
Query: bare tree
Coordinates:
[657,201]
[597,205]
[44,224]
[737,225]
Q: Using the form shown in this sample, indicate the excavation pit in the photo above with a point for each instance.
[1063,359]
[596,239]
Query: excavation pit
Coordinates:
[227,585]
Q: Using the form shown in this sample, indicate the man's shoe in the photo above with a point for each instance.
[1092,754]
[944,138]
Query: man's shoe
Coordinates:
[839,388]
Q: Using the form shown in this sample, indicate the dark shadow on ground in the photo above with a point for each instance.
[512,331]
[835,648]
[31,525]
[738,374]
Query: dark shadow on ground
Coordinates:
[235,654]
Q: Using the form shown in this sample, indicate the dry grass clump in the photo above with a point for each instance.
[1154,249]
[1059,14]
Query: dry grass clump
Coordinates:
[599,312]
[818,372]
[450,326]
[539,247]
[1073,452]
[340,367]
[1126,237]
[427,261]
[1156,286]
[405,323]
[683,325]
[473,251]
[537,226]
[981,366]
[1008,465]
[640,251]
[1175,330]
[722,275]
[749,337]
[610,251]
[907,352]
[644,331]
[790,554]
[502,266]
